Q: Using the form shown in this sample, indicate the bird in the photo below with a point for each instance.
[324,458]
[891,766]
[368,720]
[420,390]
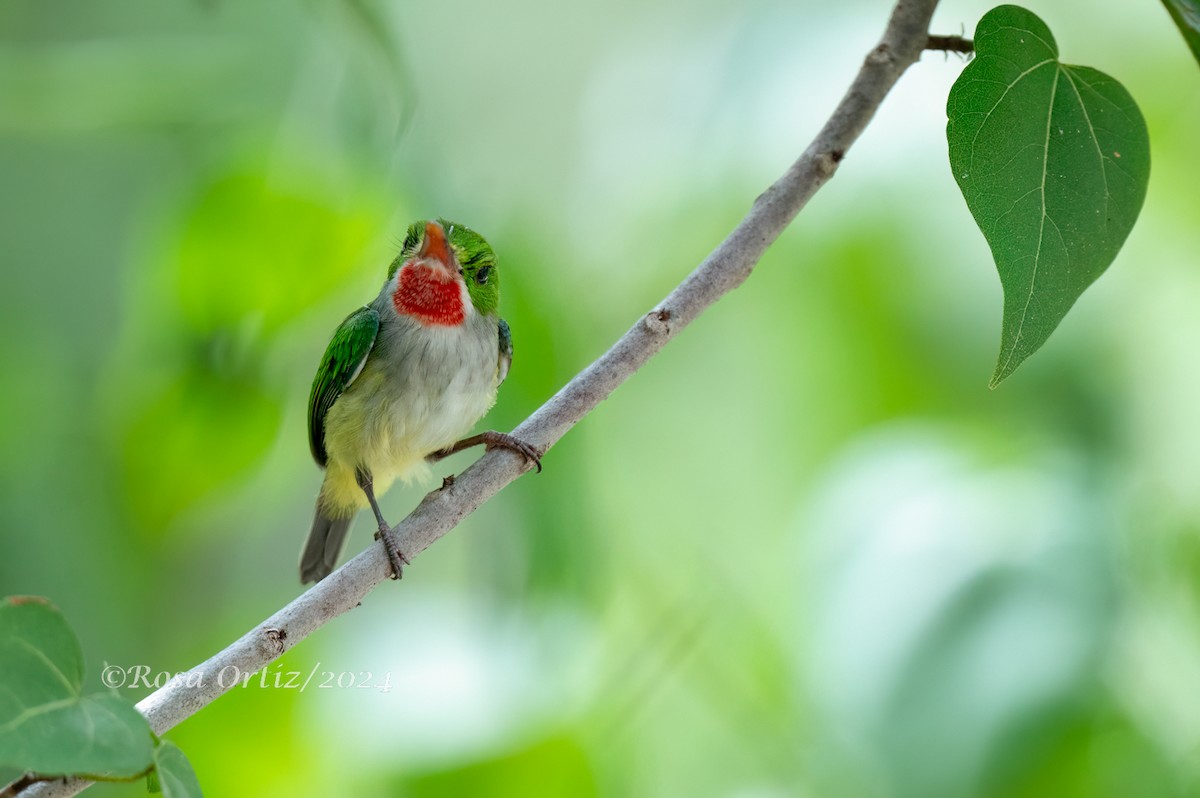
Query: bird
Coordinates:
[403,379]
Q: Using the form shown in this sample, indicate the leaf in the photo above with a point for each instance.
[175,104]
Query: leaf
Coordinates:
[1186,14]
[554,765]
[253,253]
[174,777]
[1053,162]
[191,437]
[46,725]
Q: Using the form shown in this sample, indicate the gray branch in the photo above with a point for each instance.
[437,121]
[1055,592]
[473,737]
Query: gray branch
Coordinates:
[440,511]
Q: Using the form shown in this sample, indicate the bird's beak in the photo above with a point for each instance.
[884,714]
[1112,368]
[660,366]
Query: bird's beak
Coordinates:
[436,248]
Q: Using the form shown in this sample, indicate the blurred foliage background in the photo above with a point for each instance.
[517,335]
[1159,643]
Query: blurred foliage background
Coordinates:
[805,552]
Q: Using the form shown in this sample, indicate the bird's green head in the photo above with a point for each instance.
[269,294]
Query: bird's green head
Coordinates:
[473,256]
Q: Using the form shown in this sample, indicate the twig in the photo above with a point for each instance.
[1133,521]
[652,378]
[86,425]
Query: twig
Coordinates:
[907,34]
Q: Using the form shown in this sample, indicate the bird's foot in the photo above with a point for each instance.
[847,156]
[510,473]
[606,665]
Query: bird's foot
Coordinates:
[395,556]
[493,440]
[503,440]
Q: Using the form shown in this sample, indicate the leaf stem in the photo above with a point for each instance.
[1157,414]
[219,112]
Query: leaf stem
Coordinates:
[950,44]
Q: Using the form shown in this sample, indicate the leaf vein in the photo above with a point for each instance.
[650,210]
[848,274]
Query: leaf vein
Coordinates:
[28,713]
[1037,256]
[71,688]
[983,122]
[1095,140]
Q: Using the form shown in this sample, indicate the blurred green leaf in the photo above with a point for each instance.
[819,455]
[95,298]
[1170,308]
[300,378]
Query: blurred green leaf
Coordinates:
[1186,14]
[196,434]
[47,726]
[1053,162]
[940,558]
[392,77]
[255,253]
[173,775]
[1099,753]
[552,766]
[131,82]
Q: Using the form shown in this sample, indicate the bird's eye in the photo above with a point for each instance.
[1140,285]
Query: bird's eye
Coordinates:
[481,276]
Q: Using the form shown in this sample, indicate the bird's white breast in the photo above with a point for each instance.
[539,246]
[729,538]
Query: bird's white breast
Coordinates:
[421,389]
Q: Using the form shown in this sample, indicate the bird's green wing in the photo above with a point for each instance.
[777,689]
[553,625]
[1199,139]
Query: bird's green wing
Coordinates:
[344,359]
[506,350]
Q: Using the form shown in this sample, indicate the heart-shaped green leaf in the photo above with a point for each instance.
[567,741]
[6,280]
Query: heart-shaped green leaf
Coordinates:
[173,776]
[1053,162]
[1186,14]
[46,725]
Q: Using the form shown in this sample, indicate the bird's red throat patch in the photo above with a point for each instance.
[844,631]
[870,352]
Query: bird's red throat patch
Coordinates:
[431,296]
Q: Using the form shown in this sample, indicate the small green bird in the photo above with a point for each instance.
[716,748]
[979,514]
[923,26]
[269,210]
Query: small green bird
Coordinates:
[403,379]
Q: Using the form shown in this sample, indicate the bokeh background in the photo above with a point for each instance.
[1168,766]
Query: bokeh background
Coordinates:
[804,552]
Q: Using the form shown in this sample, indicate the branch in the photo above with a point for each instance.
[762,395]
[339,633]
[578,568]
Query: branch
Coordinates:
[13,789]
[440,511]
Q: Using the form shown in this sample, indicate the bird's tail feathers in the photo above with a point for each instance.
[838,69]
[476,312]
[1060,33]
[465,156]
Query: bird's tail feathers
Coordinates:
[324,546]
